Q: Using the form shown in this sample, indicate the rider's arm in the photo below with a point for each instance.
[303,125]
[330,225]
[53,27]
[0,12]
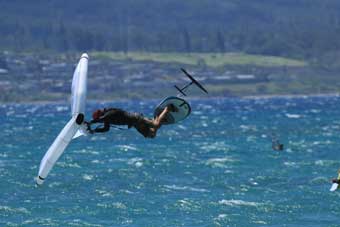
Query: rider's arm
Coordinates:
[156,123]
[158,120]
[99,120]
[105,128]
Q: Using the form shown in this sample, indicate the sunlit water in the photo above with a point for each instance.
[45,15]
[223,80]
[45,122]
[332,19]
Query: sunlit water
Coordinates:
[216,168]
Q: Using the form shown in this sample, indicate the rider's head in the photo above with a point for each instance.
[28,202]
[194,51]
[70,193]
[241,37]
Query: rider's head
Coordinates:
[97,114]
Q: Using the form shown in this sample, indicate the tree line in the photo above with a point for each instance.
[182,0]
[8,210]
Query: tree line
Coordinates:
[307,29]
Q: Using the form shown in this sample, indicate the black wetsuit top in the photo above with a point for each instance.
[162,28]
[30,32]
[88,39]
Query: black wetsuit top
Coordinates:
[117,117]
[336,181]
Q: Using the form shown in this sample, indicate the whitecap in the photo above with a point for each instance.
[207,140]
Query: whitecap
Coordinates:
[8,209]
[72,165]
[233,202]
[188,205]
[138,162]
[41,221]
[205,107]
[215,146]
[127,147]
[296,116]
[219,162]
[182,127]
[32,110]
[185,188]
[127,192]
[325,162]
[203,117]
[78,222]
[54,184]
[315,111]
[61,108]
[117,205]
[3,155]
[87,177]
[290,163]
[205,125]
[325,142]
[11,112]
[197,112]
[221,216]
[86,151]
[96,161]
[105,193]
[248,127]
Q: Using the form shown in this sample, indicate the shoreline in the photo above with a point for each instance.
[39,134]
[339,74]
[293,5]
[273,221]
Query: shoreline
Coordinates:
[285,96]
[292,96]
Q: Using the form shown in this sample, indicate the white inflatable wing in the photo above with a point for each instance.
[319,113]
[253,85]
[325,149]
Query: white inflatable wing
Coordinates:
[334,187]
[79,88]
[82,131]
[56,149]
[78,110]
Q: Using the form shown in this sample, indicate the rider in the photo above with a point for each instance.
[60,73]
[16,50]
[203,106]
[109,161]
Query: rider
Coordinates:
[114,116]
[337,180]
[276,145]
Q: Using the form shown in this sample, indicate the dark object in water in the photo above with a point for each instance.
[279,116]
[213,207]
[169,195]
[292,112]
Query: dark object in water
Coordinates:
[277,146]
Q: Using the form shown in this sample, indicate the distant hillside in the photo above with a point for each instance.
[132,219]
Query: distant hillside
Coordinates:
[139,75]
[300,29]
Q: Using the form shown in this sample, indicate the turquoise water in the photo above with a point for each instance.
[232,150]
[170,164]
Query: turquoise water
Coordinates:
[217,168]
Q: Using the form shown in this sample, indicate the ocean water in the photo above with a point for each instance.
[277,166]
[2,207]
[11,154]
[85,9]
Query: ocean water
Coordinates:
[216,168]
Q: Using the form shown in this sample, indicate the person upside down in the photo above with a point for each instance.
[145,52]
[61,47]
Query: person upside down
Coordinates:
[114,116]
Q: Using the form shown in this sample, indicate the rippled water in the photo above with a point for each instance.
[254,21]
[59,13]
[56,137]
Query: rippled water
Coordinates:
[217,168]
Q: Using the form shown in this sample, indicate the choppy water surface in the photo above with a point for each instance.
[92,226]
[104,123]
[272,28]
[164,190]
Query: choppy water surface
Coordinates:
[216,168]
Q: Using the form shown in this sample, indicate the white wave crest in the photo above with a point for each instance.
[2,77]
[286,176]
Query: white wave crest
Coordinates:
[185,188]
[127,147]
[138,162]
[219,162]
[296,116]
[233,202]
[8,209]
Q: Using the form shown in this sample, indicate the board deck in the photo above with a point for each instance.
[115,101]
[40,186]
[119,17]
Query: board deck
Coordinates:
[182,106]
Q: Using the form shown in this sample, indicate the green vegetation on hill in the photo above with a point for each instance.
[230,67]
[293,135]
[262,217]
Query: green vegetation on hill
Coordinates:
[298,29]
[209,59]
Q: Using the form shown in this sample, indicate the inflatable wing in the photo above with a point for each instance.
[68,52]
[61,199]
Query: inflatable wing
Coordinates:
[334,187]
[78,100]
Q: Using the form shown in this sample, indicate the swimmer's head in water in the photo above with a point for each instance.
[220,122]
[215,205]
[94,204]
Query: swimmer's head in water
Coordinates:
[278,147]
[281,147]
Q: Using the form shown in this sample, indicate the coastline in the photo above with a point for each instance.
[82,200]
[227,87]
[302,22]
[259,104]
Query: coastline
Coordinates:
[289,96]
[280,96]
